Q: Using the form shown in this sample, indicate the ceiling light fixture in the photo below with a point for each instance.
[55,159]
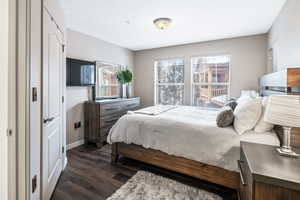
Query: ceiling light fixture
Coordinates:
[162,23]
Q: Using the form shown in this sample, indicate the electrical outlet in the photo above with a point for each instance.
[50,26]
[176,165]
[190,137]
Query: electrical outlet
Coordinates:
[77,125]
[34,94]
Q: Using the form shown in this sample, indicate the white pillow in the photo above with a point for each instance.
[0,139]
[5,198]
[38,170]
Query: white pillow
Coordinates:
[246,115]
[263,126]
[247,95]
[242,99]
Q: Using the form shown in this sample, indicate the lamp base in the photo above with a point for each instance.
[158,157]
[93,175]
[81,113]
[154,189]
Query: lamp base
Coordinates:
[288,152]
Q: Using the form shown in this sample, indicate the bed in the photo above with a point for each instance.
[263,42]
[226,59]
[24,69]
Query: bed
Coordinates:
[186,140]
[188,132]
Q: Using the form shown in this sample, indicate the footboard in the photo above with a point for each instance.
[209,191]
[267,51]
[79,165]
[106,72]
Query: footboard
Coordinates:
[192,168]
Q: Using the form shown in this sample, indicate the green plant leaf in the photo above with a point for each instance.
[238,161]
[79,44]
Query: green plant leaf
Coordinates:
[124,76]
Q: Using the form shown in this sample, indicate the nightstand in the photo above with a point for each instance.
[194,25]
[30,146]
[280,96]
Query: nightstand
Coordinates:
[267,175]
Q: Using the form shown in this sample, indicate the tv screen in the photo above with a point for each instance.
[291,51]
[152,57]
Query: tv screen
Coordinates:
[80,73]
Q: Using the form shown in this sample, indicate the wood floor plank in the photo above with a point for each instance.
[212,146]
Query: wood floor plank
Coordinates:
[94,172]
[93,185]
[79,192]
[89,175]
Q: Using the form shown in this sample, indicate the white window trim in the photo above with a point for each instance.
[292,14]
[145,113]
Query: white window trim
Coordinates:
[110,85]
[167,84]
[213,84]
[188,77]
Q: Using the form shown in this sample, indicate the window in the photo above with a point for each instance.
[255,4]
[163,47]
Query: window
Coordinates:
[210,80]
[169,81]
[107,82]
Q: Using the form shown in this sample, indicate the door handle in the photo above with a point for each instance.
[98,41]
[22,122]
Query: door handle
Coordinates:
[48,120]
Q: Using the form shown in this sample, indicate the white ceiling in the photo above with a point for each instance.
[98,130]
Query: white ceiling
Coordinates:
[128,23]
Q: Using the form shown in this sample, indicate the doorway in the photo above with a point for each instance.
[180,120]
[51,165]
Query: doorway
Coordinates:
[52,101]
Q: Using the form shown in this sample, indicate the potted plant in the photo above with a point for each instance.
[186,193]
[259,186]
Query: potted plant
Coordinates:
[124,78]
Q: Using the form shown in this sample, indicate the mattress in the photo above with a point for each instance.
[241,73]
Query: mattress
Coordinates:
[188,132]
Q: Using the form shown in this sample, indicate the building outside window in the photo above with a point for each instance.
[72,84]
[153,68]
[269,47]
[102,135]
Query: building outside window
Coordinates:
[169,81]
[210,80]
[107,82]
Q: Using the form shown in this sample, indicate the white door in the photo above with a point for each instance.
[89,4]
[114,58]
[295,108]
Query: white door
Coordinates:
[52,105]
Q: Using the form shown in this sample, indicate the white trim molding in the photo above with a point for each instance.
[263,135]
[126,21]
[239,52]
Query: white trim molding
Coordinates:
[12,108]
[4,101]
[75,144]
[65,163]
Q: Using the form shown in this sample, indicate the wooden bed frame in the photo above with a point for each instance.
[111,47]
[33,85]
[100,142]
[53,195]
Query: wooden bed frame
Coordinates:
[285,82]
[178,164]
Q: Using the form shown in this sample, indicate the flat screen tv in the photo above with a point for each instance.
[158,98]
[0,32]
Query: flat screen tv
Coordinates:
[80,72]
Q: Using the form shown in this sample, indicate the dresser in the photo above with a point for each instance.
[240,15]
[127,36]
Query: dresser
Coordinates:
[101,115]
[267,175]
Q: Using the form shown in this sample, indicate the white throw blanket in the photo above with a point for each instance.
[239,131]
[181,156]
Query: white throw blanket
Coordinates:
[153,110]
[189,132]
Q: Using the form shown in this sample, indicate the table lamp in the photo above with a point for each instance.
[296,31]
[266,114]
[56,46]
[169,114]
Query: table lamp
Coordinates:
[284,111]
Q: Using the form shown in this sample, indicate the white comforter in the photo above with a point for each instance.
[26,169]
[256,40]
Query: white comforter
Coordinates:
[188,132]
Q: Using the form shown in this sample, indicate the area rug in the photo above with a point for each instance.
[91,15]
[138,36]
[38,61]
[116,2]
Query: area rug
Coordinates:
[148,186]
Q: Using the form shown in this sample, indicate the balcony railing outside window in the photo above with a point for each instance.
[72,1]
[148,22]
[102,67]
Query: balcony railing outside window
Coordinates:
[210,80]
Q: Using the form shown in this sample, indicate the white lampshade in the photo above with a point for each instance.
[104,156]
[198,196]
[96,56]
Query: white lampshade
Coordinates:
[283,110]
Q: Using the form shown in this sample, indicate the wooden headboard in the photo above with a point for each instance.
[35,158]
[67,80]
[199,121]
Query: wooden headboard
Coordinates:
[286,82]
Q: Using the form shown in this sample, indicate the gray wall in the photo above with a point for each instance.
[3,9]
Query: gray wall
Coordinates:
[85,47]
[248,63]
[284,37]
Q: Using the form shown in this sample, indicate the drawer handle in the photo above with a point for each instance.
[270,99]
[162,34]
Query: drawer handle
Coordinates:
[111,121]
[111,109]
[130,105]
[241,172]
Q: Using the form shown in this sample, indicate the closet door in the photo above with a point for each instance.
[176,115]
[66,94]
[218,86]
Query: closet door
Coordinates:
[52,105]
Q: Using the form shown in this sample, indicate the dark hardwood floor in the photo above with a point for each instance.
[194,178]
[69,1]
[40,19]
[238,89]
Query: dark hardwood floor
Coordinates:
[89,175]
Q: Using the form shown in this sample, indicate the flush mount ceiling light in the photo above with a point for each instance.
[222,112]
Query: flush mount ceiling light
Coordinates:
[162,23]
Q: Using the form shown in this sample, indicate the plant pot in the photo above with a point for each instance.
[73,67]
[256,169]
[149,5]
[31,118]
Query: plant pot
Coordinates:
[128,91]
[124,93]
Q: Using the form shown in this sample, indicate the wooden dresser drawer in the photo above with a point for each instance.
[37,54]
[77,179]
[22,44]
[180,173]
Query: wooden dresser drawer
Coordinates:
[107,109]
[109,120]
[132,104]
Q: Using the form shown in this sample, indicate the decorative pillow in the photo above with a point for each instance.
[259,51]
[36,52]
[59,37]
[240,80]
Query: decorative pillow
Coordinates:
[232,104]
[246,115]
[247,95]
[225,117]
[263,126]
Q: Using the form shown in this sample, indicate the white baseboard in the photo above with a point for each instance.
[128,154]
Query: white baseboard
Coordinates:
[75,144]
[66,162]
